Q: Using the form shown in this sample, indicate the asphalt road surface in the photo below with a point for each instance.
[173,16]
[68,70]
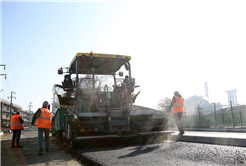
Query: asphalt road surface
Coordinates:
[169,153]
[28,155]
[164,153]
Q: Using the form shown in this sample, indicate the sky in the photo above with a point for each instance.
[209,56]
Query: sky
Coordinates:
[174,46]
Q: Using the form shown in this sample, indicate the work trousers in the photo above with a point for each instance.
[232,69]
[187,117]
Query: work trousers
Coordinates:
[177,118]
[40,138]
[16,137]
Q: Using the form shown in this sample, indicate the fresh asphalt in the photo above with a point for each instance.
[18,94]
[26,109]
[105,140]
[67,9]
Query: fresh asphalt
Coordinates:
[167,153]
[193,148]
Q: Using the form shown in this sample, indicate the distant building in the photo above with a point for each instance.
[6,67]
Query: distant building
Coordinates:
[191,104]
[194,103]
[206,109]
[27,116]
[232,97]
[236,109]
[5,113]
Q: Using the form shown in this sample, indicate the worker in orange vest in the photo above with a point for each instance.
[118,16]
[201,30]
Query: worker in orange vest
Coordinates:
[43,123]
[16,127]
[178,110]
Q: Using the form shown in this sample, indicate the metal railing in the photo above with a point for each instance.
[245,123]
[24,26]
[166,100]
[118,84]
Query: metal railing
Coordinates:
[227,117]
[6,110]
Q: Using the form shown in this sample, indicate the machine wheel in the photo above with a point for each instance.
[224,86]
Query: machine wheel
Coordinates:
[58,135]
[53,134]
[64,140]
[72,144]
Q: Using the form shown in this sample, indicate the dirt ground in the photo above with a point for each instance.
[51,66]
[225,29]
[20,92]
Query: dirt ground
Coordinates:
[28,155]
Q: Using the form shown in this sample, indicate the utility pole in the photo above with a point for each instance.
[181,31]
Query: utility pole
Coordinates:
[4,69]
[3,75]
[1,112]
[10,114]
[1,92]
[30,106]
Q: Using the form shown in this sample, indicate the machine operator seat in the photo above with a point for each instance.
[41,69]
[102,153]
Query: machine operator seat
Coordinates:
[67,83]
[117,93]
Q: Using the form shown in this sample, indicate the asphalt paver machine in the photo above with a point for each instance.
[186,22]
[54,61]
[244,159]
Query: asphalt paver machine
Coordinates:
[96,100]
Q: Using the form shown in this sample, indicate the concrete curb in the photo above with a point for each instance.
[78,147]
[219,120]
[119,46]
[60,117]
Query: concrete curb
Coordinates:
[237,142]
[217,130]
[211,140]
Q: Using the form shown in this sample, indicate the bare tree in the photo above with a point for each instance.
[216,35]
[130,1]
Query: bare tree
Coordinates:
[164,103]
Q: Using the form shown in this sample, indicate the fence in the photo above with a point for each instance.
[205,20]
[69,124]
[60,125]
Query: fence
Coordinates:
[230,117]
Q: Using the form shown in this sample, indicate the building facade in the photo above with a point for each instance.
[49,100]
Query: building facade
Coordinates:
[195,105]
[191,104]
[6,115]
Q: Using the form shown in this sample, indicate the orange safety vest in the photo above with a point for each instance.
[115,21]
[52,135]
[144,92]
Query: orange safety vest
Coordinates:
[178,105]
[15,123]
[44,120]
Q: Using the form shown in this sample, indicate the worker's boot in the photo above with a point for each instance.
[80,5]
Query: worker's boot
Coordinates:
[19,146]
[13,143]
[181,130]
[40,152]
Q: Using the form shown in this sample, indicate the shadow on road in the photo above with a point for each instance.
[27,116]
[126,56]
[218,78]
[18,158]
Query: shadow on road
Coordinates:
[139,151]
[102,143]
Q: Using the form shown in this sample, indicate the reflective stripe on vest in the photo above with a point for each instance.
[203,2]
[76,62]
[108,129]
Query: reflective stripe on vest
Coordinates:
[44,121]
[178,106]
[42,115]
[15,123]
[177,101]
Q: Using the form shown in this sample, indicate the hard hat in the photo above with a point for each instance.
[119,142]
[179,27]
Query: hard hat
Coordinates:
[45,104]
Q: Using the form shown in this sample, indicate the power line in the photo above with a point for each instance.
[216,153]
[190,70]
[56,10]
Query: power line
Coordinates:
[7,80]
[8,85]
[23,103]
[9,88]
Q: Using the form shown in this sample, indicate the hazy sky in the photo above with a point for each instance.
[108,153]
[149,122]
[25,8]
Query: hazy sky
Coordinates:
[174,45]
